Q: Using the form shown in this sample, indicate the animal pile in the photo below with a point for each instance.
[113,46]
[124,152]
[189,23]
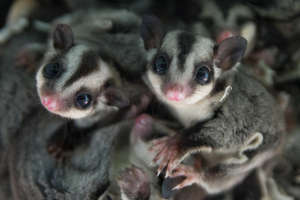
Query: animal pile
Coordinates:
[112,103]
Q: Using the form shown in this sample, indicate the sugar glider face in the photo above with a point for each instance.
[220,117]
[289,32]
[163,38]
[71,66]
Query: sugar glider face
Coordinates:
[74,81]
[181,70]
[183,67]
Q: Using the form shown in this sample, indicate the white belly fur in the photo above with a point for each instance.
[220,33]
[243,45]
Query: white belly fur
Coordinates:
[188,115]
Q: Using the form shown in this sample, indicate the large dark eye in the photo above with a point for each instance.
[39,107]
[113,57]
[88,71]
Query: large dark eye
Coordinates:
[202,75]
[52,70]
[160,65]
[83,101]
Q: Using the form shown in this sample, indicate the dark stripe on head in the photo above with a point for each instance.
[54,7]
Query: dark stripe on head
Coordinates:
[88,65]
[185,44]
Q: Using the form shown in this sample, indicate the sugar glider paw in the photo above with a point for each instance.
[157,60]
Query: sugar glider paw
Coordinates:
[191,176]
[168,153]
[134,184]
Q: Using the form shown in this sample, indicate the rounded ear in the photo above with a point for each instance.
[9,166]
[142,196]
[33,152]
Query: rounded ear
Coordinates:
[229,52]
[63,38]
[151,31]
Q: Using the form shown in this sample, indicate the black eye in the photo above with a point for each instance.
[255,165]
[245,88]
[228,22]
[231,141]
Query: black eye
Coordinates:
[160,65]
[52,70]
[83,101]
[203,75]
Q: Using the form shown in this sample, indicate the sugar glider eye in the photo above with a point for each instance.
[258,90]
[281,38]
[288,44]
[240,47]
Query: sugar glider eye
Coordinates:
[160,64]
[83,100]
[52,70]
[203,75]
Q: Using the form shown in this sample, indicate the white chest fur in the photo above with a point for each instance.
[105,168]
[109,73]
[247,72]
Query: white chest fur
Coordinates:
[190,114]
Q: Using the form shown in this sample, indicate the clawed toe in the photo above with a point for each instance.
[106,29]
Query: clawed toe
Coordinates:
[191,176]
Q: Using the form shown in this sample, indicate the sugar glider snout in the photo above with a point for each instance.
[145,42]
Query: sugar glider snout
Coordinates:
[176,92]
[51,103]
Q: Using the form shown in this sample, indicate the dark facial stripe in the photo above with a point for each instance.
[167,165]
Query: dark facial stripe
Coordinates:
[185,44]
[87,66]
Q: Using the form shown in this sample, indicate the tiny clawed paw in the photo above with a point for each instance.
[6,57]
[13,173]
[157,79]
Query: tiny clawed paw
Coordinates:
[167,156]
[190,174]
[134,183]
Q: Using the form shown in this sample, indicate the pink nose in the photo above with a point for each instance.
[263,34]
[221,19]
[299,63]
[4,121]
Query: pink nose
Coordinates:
[175,93]
[50,103]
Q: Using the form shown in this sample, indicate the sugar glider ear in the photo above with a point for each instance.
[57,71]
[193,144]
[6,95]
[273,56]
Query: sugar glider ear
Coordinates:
[152,32]
[63,38]
[229,52]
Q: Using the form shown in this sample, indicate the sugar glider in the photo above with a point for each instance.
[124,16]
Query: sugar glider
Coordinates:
[229,118]
[80,74]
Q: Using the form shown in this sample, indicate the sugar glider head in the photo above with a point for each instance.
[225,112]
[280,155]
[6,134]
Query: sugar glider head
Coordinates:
[183,67]
[74,81]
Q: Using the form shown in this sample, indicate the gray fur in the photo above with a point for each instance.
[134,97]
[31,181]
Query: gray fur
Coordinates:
[286,170]
[18,96]
[17,100]
[27,170]
[85,174]
[248,109]
[80,177]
